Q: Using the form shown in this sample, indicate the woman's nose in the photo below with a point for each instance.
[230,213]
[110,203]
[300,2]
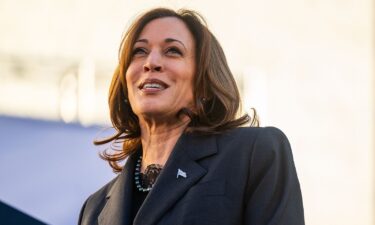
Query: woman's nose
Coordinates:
[153,63]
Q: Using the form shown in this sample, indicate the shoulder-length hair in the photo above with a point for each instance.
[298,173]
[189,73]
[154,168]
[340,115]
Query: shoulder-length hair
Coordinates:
[216,96]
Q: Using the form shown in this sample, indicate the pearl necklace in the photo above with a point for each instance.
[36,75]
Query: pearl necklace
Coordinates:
[148,178]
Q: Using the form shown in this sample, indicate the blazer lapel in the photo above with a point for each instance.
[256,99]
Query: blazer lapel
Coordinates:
[170,187]
[117,210]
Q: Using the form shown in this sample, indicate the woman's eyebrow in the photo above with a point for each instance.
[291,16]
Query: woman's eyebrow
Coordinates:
[168,40]
[142,40]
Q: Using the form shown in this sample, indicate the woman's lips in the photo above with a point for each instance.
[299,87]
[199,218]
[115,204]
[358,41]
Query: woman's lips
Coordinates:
[152,85]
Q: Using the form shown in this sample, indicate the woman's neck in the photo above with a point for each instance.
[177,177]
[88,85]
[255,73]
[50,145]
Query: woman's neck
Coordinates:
[158,140]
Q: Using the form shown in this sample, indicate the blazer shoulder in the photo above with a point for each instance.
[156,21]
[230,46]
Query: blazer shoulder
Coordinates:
[95,202]
[103,191]
[272,138]
[255,134]
[265,131]
[245,141]
[265,141]
[272,149]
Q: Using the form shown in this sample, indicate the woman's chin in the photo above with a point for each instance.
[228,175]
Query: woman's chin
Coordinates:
[159,116]
[153,114]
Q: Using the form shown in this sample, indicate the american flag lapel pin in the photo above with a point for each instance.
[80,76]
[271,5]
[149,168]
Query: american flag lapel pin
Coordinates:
[181,173]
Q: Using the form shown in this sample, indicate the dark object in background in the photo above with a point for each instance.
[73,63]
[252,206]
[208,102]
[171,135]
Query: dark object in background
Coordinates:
[12,216]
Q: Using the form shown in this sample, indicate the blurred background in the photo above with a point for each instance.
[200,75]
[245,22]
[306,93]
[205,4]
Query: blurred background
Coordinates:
[308,67]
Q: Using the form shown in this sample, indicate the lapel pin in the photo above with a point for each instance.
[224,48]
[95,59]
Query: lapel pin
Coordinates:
[181,173]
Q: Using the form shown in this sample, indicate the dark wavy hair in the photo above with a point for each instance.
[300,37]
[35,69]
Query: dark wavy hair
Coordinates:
[216,96]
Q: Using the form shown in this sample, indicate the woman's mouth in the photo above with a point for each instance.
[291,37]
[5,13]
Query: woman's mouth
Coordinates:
[152,85]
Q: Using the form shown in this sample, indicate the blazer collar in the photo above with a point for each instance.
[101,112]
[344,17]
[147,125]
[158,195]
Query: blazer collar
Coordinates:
[168,188]
[118,206]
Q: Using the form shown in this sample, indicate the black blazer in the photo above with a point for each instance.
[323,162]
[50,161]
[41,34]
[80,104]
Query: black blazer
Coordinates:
[243,176]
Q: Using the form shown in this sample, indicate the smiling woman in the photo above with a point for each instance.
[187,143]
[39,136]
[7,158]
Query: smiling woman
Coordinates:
[160,76]
[174,103]
[186,40]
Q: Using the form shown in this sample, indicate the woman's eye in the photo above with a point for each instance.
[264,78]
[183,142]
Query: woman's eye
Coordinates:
[139,51]
[174,51]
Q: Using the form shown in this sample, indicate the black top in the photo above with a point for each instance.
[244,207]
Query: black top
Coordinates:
[138,199]
[147,179]
[138,196]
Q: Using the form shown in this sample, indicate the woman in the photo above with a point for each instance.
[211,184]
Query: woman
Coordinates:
[173,102]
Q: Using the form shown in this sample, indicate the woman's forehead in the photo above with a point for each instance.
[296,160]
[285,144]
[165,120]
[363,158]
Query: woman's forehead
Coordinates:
[165,29]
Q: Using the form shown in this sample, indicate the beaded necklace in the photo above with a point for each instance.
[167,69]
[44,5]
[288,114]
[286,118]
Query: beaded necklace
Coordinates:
[145,181]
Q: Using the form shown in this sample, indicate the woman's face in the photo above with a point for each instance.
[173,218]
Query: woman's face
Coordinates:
[160,75]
